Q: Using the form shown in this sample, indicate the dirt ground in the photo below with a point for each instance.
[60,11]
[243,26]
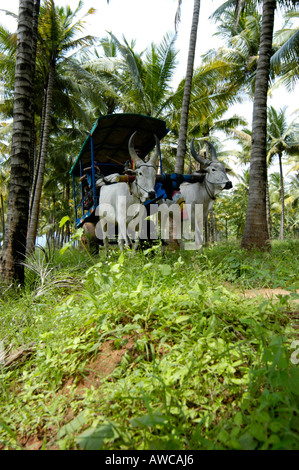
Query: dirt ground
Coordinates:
[269,293]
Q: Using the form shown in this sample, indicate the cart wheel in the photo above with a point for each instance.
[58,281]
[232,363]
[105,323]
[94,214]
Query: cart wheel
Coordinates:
[89,238]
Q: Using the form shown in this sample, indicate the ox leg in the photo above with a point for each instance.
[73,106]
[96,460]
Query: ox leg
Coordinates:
[123,239]
[103,233]
[136,244]
[121,244]
[106,245]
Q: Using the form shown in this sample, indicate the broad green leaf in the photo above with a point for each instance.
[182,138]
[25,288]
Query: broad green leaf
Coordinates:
[63,221]
[149,420]
[238,420]
[165,269]
[93,438]
[72,426]
[182,318]
[65,247]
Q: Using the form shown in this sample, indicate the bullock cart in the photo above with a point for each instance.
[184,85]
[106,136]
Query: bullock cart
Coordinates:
[105,152]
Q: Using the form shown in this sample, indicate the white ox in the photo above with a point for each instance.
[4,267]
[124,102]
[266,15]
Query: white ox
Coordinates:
[120,203]
[199,197]
[214,182]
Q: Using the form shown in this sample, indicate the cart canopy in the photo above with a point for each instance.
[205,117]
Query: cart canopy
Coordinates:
[109,140]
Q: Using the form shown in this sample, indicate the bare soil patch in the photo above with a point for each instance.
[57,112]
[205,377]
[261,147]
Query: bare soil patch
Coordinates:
[102,366]
[269,293]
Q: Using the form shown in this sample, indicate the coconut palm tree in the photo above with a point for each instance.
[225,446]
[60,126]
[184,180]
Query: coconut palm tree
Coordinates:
[141,80]
[4,179]
[14,244]
[285,60]
[58,29]
[236,60]
[256,230]
[209,102]
[181,148]
[282,141]
[291,203]
[8,48]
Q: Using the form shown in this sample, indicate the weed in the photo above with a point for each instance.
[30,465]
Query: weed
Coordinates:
[193,365]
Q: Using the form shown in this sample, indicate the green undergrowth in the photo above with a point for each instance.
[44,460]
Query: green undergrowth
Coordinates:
[200,366]
[276,268]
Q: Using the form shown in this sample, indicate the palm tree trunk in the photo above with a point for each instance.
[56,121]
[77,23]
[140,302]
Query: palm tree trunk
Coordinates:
[36,161]
[212,226]
[42,164]
[34,38]
[207,235]
[14,243]
[256,230]
[2,215]
[281,231]
[268,211]
[181,150]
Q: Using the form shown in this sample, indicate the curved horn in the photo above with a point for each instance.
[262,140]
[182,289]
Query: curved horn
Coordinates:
[154,158]
[132,152]
[198,158]
[212,151]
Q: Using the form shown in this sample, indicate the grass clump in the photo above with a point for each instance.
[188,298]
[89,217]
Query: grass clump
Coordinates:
[193,365]
[277,268]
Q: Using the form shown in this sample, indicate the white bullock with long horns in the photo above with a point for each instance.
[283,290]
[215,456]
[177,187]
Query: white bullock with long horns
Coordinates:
[199,197]
[121,203]
[214,182]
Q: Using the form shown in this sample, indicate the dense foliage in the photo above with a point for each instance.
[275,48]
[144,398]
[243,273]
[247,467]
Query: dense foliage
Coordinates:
[147,352]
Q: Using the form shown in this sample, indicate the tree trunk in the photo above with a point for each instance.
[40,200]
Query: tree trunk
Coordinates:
[268,210]
[181,150]
[14,244]
[42,164]
[207,235]
[256,230]
[281,231]
[36,161]
[33,130]
[212,226]
[2,215]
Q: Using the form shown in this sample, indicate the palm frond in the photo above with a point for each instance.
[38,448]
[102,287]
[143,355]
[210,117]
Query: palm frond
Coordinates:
[289,50]
[177,18]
